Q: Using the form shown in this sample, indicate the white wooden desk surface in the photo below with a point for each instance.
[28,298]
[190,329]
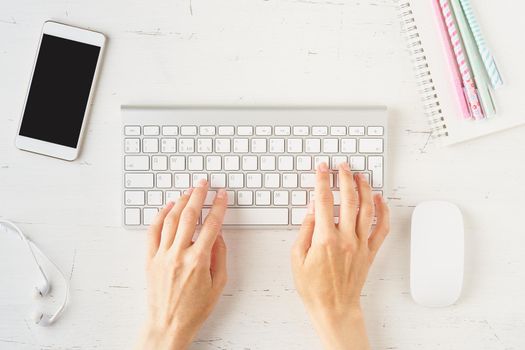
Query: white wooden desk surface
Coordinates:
[246,52]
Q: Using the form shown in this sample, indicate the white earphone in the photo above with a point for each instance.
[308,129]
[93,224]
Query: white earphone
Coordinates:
[43,287]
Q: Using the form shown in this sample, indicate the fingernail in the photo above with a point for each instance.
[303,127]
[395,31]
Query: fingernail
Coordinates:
[362,176]
[170,204]
[202,183]
[344,166]
[323,167]
[221,193]
[188,191]
[311,207]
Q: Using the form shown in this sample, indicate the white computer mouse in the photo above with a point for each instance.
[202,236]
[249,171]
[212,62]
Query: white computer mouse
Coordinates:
[436,254]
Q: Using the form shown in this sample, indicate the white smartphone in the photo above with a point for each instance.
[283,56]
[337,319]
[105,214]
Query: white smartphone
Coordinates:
[60,91]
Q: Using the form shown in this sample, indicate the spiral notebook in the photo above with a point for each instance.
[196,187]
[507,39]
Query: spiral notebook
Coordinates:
[501,26]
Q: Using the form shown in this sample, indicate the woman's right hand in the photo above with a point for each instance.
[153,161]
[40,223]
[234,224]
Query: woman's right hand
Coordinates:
[330,262]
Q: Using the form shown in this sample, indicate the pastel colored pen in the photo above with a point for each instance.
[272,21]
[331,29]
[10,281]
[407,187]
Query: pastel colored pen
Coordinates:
[452,62]
[478,70]
[486,56]
[469,84]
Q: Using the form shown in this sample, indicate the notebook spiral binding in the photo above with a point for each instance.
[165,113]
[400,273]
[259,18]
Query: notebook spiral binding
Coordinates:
[424,82]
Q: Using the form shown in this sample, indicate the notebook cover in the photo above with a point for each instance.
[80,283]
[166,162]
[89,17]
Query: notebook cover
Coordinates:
[500,26]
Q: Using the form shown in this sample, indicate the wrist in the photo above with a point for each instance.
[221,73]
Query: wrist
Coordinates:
[164,338]
[342,330]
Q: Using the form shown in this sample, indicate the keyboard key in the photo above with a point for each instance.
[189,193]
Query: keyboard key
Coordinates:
[249,163]
[210,197]
[207,130]
[356,130]
[204,145]
[337,197]
[254,216]
[295,145]
[231,197]
[134,197]
[319,130]
[188,130]
[235,180]
[170,130]
[195,163]
[213,163]
[136,163]
[168,145]
[159,163]
[285,163]
[272,180]
[253,180]
[131,145]
[338,130]
[226,130]
[289,180]
[330,145]
[313,145]
[138,180]
[150,145]
[258,145]
[154,197]
[371,145]
[348,145]
[196,177]
[375,131]
[244,197]
[240,145]
[298,197]
[149,215]
[307,180]
[280,198]
[186,145]
[245,130]
[151,131]
[263,130]
[181,180]
[304,163]
[231,163]
[177,163]
[375,165]
[336,160]
[357,163]
[131,130]
[262,197]
[218,180]
[298,215]
[172,196]
[282,130]
[164,180]
[222,145]
[321,159]
[267,163]
[301,130]
[276,145]
[132,216]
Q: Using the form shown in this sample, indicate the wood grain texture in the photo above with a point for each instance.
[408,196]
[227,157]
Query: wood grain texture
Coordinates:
[246,52]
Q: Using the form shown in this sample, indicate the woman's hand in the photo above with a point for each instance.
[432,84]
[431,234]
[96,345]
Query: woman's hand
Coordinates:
[185,277]
[330,262]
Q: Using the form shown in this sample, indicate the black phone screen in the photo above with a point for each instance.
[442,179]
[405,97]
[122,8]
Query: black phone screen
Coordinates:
[59,91]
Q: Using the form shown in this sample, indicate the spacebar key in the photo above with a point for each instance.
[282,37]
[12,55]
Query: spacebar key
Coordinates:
[253,216]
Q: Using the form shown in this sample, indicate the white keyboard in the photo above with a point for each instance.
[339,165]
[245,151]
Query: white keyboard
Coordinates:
[265,158]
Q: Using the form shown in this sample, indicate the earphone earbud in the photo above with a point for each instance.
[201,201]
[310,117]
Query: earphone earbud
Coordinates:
[42,319]
[43,287]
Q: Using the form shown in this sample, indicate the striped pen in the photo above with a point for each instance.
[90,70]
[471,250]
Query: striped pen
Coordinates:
[464,68]
[486,56]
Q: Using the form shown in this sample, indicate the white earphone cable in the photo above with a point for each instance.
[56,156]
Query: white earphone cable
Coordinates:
[32,247]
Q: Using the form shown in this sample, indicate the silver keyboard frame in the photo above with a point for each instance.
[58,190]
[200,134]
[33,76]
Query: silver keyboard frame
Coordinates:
[252,116]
